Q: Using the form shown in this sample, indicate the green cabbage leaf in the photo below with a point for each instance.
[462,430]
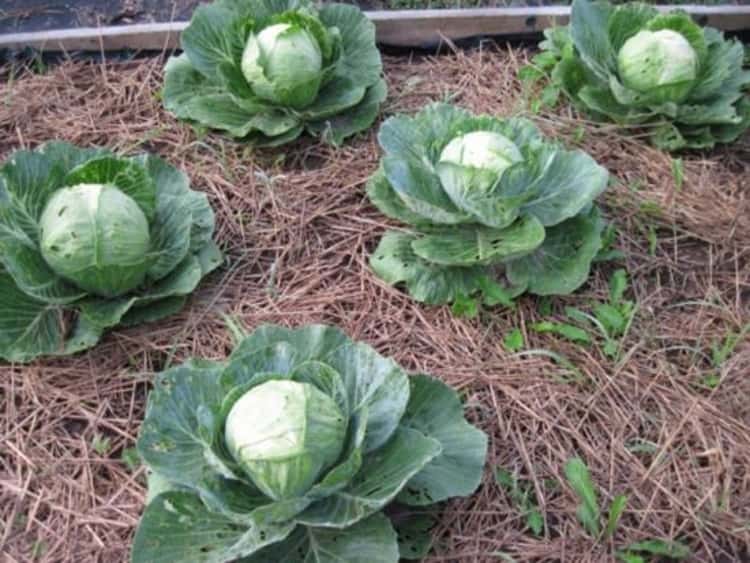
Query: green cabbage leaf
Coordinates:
[497,213]
[90,240]
[406,445]
[265,71]
[630,64]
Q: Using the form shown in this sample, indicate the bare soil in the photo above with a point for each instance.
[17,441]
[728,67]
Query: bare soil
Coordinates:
[297,228]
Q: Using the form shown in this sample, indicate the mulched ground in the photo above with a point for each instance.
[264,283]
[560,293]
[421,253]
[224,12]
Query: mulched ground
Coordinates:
[297,228]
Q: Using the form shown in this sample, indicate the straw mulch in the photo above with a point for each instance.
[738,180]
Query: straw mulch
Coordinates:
[297,229]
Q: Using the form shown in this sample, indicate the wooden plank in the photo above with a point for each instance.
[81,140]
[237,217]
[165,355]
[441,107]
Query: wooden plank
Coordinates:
[414,28]
[144,36]
[401,28]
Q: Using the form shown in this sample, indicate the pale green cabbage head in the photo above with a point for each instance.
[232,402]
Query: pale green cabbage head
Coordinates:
[283,64]
[661,63]
[475,161]
[97,237]
[284,434]
[483,150]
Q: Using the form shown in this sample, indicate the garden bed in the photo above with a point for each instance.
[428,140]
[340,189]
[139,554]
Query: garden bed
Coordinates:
[666,424]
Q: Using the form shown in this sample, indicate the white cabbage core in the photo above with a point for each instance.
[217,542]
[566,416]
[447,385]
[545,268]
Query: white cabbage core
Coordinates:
[484,150]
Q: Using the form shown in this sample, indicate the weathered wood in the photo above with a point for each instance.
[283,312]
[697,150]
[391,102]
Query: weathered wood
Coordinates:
[139,37]
[402,28]
[413,28]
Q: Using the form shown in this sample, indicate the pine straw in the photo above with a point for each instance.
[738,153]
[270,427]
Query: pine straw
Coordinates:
[298,228]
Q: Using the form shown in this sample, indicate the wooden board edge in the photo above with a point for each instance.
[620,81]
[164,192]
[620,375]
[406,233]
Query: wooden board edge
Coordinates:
[400,28]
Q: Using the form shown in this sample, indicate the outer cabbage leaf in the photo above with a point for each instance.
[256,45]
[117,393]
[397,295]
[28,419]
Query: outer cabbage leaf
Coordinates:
[414,530]
[311,342]
[435,410]
[206,84]
[374,383]
[336,128]
[709,109]
[372,540]
[183,84]
[589,31]
[28,328]
[394,261]
[468,222]
[177,526]
[57,317]
[468,247]
[384,473]
[213,37]
[202,508]
[569,182]
[24,262]
[388,202]
[561,264]
[179,427]
[627,20]
[359,61]
[420,191]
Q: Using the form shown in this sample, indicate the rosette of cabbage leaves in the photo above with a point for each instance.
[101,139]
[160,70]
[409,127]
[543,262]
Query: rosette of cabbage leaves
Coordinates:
[264,71]
[491,208]
[90,240]
[633,65]
[292,449]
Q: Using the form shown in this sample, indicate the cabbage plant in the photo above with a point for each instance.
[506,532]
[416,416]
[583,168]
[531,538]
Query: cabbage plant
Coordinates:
[635,66]
[89,240]
[302,446]
[266,70]
[492,209]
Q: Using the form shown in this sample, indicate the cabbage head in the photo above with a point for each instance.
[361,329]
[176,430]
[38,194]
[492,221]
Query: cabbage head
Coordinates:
[265,72]
[636,66]
[89,240]
[284,434]
[492,209]
[302,446]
